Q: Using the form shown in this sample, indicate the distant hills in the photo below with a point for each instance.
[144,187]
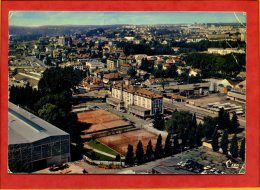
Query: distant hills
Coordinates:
[71,29]
[49,30]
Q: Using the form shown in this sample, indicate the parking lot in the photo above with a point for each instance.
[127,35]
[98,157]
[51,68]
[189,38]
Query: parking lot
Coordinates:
[195,161]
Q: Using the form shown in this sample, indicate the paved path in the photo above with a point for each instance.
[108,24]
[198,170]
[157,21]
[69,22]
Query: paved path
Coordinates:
[99,151]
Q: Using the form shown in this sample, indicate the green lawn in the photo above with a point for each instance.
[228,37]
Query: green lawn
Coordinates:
[96,156]
[99,146]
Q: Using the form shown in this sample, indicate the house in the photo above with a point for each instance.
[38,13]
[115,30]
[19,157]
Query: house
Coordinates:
[110,77]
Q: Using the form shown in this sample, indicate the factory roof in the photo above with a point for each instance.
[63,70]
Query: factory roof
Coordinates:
[24,127]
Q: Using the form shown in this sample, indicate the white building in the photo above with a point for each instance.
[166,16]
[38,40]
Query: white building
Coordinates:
[222,51]
[112,64]
[93,64]
[138,101]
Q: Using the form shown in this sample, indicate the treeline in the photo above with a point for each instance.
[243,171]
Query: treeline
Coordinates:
[159,72]
[184,132]
[139,156]
[143,48]
[213,65]
[228,147]
[52,100]
[184,127]
[156,48]
[205,44]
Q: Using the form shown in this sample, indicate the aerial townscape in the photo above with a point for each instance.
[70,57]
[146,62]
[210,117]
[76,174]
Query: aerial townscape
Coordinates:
[127,98]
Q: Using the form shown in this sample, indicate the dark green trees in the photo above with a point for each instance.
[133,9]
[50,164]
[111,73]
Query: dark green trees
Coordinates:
[176,145]
[24,96]
[224,142]
[168,146]
[149,155]
[158,121]
[234,147]
[215,142]
[139,153]
[234,124]
[118,157]
[223,119]
[131,72]
[209,126]
[199,134]
[242,151]
[158,153]
[56,80]
[129,158]
[52,114]
[171,71]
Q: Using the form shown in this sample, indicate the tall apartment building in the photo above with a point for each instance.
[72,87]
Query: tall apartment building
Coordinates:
[112,64]
[135,100]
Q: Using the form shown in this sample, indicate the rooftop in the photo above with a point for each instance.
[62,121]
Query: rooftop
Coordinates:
[138,91]
[24,127]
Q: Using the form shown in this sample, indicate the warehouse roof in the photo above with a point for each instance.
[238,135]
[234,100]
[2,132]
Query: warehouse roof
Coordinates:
[24,127]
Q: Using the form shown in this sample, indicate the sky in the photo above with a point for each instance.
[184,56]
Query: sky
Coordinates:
[40,18]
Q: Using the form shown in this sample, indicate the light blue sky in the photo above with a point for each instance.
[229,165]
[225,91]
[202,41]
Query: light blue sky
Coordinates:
[22,18]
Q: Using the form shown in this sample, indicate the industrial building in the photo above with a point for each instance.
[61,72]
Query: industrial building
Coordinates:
[33,143]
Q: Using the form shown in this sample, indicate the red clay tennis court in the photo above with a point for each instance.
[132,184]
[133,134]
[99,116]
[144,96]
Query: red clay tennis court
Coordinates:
[119,142]
[100,120]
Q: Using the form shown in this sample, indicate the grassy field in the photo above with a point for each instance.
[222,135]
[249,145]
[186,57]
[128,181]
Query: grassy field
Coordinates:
[99,146]
[96,156]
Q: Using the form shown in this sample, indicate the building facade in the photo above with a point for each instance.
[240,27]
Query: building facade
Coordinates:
[135,100]
[112,64]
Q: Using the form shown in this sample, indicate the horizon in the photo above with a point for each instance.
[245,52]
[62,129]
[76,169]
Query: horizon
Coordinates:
[105,18]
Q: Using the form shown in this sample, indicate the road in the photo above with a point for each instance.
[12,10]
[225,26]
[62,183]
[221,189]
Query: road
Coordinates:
[39,63]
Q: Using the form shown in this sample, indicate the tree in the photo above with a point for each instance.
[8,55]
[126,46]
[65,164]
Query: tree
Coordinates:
[129,158]
[61,100]
[24,96]
[214,142]
[234,124]
[209,125]
[221,118]
[131,72]
[158,153]
[242,151]
[192,137]
[118,157]
[158,122]
[176,145]
[139,153]
[56,80]
[234,147]
[199,134]
[194,122]
[168,145]
[224,142]
[226,121]
[52,114]
[171,71]
[149,151]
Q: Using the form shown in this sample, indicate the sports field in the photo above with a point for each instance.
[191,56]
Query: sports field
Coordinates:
[119,142]
[101,120]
